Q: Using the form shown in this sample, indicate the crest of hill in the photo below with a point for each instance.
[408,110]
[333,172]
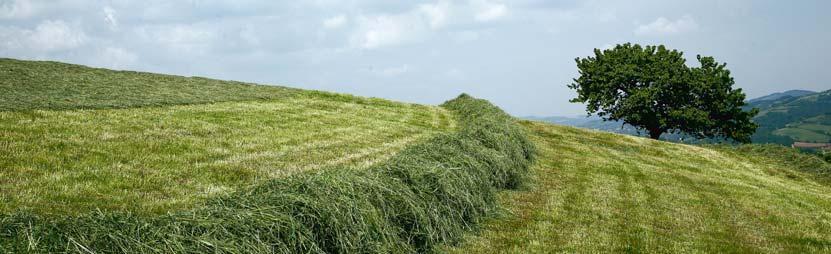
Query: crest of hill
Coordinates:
[777,96]
[75,139]
[33,85]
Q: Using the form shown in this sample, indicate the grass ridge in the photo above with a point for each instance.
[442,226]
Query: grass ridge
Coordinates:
[430,193]
[47,85]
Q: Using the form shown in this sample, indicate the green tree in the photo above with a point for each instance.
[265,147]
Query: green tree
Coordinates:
[653,89]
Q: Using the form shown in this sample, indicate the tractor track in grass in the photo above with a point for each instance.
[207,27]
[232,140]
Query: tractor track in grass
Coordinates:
[154,158]
[601,192]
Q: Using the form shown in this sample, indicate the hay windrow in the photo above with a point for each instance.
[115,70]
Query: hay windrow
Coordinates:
[428,194]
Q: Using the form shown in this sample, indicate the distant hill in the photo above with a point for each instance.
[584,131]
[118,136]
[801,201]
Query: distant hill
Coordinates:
[768,101]
[782,95]
[596,123]
[565,120]
[785,117]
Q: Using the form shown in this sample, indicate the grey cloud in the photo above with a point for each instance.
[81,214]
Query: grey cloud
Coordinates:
[519,54]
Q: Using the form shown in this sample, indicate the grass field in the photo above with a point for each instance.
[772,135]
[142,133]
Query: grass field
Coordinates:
[601,192]
[428,194]
[40,85]
[804,133]
[821,119]
[99,161]
[819,128]
[58,157]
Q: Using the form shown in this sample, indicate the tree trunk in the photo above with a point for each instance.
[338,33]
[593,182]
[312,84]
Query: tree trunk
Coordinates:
[655,133]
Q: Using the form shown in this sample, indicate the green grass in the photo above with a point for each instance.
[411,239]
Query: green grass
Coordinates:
[798,133]
[601,192]
[98,161]
[39,85]
[819,128]
[75,139]
[804,119]
[428,194]
[820,119]
[812,163]
[163,158]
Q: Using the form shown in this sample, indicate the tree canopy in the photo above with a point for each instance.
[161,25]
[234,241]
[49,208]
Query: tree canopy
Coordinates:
[653,89]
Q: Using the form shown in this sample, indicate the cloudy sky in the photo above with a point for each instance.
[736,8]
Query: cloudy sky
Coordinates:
[518,54]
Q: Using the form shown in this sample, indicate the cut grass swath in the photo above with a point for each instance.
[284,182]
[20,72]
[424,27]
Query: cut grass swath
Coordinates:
[428,194]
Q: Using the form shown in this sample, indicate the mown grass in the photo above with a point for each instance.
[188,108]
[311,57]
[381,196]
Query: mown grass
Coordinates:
[428,194]
[75,139]
[41,85]
[163,158]
[600,192]
[783,157]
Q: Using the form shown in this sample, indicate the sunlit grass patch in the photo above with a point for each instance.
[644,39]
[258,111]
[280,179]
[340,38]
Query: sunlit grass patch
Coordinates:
[40,85]
[601,192]
[428,194]
[161,158]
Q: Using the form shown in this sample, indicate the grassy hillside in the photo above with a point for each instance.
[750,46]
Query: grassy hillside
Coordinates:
[789,119]
[75,139]
[98,161]
[770,100]
[39,85]
[602,192]
[429,194]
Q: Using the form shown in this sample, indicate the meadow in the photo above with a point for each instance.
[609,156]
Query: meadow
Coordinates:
[603,192]
[100,161]
[77,139]
[153,160]
[45,85]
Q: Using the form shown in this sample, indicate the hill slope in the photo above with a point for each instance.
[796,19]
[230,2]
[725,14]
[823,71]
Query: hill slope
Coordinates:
[75,139]
[428,194]
[788,119]
[603,192]
[767,100]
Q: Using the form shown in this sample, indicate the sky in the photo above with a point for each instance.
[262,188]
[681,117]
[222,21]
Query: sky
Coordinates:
[517,54]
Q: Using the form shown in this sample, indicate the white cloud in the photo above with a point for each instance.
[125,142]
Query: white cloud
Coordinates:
[437,13]
[386,30]
[487,11]
[16,9]
[335,22]
[56,35]
[664,26]
[377,31]
[109,17]
[48,36]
